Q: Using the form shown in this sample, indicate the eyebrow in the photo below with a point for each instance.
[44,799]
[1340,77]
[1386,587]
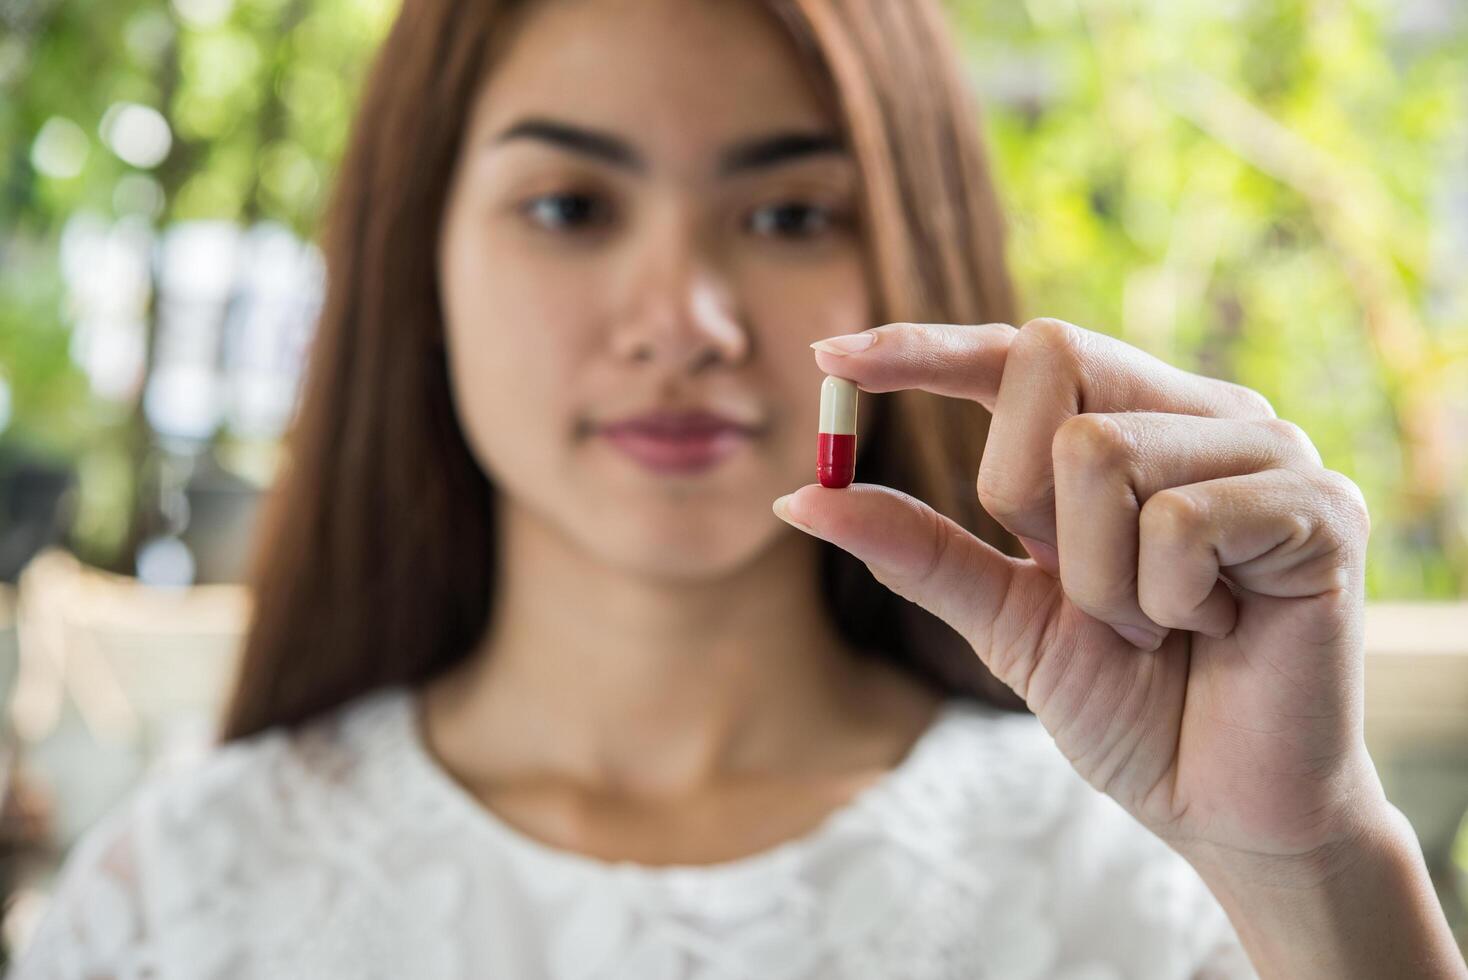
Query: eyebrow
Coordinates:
[754,154]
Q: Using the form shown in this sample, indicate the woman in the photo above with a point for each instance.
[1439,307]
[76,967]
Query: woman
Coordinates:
[535,685]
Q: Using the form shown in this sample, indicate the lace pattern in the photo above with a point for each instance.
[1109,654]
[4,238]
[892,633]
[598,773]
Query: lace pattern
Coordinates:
[343,850]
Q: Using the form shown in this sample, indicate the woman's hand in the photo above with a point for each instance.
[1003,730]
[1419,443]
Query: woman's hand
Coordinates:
[1189,631]
[1153,502]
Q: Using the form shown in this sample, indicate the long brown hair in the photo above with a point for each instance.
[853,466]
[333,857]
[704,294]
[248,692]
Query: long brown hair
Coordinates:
[375,564]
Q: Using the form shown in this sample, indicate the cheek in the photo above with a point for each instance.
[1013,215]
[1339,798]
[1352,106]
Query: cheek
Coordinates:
[507,353]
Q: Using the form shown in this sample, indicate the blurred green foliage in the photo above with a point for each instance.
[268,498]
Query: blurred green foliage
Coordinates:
[1250,189]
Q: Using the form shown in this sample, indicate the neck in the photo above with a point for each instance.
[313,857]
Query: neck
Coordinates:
[638,684]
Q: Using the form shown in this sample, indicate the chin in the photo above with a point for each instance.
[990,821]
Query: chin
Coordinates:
[690,544]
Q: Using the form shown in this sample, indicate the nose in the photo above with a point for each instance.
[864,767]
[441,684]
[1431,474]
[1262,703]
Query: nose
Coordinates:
[681,312]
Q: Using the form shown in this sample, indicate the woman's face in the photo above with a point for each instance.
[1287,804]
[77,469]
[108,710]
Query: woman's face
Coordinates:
[651,213]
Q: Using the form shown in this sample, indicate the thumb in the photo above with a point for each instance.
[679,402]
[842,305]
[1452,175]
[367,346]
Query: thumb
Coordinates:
[913,550]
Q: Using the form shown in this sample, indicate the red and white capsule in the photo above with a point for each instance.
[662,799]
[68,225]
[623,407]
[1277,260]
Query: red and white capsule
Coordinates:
[836,449]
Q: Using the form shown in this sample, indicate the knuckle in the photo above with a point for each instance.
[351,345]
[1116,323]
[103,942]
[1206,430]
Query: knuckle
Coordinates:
[1058,348]
[1251,404]
[1000,494]
[914,582]
[1093,440]
[1173,513]
[900,334]
[1302,529]
[1292,436]
[1351,502]
[942,539]
[1051,336]
[896,327]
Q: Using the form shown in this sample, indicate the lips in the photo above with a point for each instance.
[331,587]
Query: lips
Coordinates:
[677,441]
[671,425]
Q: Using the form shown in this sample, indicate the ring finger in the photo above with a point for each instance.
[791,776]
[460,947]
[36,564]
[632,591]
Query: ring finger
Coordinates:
[1107,465]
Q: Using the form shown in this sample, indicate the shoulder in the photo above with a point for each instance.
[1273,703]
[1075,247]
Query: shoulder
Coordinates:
[198,844]
[260,784]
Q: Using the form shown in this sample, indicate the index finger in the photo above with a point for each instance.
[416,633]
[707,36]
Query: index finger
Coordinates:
[955,359]
[1032,380]
[967,361]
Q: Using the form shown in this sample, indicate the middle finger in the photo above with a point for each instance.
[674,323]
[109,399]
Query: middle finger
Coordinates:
[1107,466]
[1055,370]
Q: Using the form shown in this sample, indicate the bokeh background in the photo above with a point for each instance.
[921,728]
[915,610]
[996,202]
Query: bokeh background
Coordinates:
[1274,192]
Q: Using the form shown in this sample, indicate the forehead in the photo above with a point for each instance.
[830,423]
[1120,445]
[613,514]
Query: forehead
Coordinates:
[677,77]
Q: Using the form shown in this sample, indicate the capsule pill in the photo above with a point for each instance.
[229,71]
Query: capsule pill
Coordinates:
[836,446]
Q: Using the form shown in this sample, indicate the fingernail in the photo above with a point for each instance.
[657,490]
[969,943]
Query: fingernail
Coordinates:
[781,507]
[1139,637]
[848,343]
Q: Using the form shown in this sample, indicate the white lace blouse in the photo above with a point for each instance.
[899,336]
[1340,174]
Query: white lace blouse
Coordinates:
[344,850]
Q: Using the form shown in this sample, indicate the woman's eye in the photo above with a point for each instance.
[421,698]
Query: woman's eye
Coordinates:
[792,219]
[564,211]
